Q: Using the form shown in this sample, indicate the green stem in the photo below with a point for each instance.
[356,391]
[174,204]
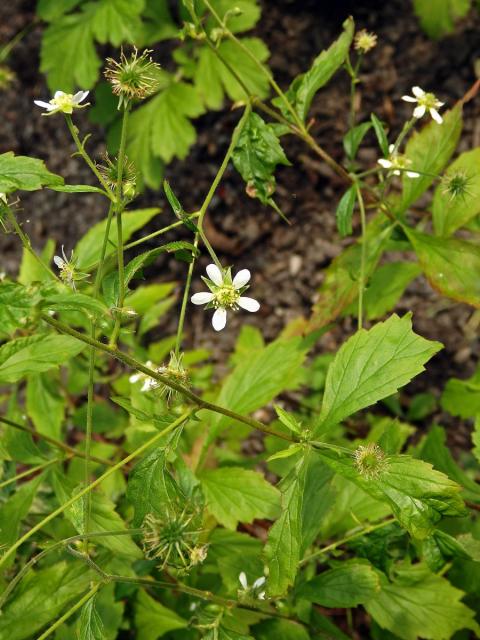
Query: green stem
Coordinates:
[353,536]
[94,484]
[81,150]
[119,210]
[138,366]
[363,254]
[160,232]
[183,309]
[56,443]
[29,472]
[78,605]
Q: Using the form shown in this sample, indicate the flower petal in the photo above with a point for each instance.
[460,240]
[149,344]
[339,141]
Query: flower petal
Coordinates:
[44,105]
[243,580]
[219,319]
[135,377]
[241,278]
[249,304]
[58,261]
[215,275]
[396,172]
[59,94]
[259,582]
[386,164]
[436,116]
[409,99]
[80,96]
[391,148]
[419,111]
[413,174]
[204,297]
[417,92]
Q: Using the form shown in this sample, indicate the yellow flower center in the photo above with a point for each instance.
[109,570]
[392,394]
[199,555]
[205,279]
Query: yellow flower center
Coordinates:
[226,297]
[63,102]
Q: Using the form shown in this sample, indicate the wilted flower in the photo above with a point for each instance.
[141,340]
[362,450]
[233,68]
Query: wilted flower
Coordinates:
[254,590]
[365,40]
[133,78]
[174,371]
[68,273]
[225,294]
[370,460]
[63,102]
[426,102]
[397,163]
[109,172]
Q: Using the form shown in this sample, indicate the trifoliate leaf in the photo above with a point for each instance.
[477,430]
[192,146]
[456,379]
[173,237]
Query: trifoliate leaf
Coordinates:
[303,89]
[256,156]
[372,365]
[236,495]
[420,604]
[26,174]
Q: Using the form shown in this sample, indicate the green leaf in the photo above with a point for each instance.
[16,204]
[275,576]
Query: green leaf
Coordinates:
[340,285]
[213,79]
[89,625]
[256,156]
[381,134]
[354,137]
[303,89]
[281,630]
[420,604]
[16,306]
[429,150]
[153,620]
[45,404]
[347,585]
[288,420]
[438,17]
[76,188]
[15,509]
[344,212]
[301,518]
[234,552]
[41,597]
[52,9]
[26,174]
[258,380]
[417,494]
[243,20]
[450,265]
[88,249]
[116,21]
[476,438]
[24,356]
[74,301]
[236,495]
[450,212]
[31,270]
[372,365]
[462,397]
[387,286]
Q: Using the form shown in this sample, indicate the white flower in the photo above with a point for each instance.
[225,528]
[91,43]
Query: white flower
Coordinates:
[148,382]
[63,102]
[224,294]
[426,102]
[253,590]
[397,163]
[3,197]
[68,273]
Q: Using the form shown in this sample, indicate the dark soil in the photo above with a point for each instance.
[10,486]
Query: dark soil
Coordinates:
[287,261]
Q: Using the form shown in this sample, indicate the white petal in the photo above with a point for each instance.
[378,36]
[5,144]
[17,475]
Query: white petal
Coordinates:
[58,261]
[241,278]
[419,111]
[44,105]
[59,94]
[243,580]
[413,174]
[249,304]
[215,275]
[204,297]
[80,96]
[396,172]
[391,148]
[259,582]
[436,116]
[417,92]
[135,377]
[219,319]
[386,164]
[261,596]
[409,99]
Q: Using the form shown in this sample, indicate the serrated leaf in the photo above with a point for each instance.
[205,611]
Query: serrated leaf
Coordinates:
[116,21]
[450,212]
[348,585]
[438,17]
[372,365]
[450,265]
[462,397]
[89,625]
[16,305]
[429,150]
[24,356]
[236,495]
[288,420]
[344,212]
[88,249]
[256,156]
[303,89]
[420,604]
[153,620]
[24,173]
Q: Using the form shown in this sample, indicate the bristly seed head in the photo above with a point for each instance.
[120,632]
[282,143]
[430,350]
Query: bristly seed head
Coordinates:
[370,460]
[365,41]
[456,185]
[109,172]
[133,78]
